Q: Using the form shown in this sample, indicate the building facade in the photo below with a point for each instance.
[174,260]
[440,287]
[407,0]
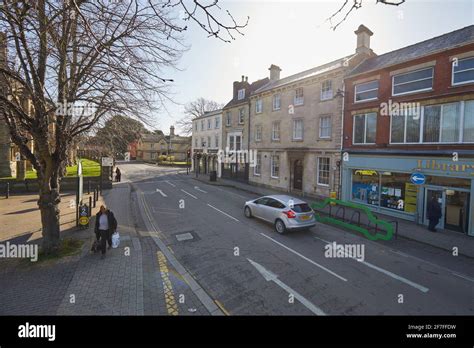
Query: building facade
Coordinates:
[409,131]
[296,126]
[206,142]
[236,129]
[153,145]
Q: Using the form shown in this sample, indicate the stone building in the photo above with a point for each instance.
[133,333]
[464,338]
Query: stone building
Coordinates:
[296,125]
[151,146]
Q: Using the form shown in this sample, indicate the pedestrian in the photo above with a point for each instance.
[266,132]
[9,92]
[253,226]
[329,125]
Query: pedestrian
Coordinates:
[434,213]
[118,175]
[105,226]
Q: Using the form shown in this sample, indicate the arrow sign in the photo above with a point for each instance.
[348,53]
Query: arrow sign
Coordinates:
[161,192]
[272,277]
[418,178]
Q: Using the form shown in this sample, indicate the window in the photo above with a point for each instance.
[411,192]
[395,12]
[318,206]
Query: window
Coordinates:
[443,123]
[323,171]
[216,140]
[217,122]
[276,102]
[208,123]
[195,126]
[259,106]
[228,117]
[257,170]
[365,128]
[365,186]
[463,71]
[326,90]
[238,140]
[241,115]
[325,127]
[258,133]
[153,155]
[202,124]
[297,129]
[241,94]
[231,143]
[366,91]
[299,96]
[275,166]
[203,143]
[405,127]
[195,142]
[411,82]
[276,131]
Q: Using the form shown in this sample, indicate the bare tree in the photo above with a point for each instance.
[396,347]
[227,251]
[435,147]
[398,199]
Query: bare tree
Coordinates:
[195,109]
[75,62]
[350,5]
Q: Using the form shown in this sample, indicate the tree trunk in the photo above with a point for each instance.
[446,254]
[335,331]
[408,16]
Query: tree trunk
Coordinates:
[48,203]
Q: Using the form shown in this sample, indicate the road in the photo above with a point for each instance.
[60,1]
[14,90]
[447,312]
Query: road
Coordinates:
[246,268]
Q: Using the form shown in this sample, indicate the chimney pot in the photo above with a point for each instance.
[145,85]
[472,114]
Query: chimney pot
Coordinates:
[363,39]
[274,72]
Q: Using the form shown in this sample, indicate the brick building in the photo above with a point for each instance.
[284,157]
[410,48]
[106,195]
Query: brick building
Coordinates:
[411,111]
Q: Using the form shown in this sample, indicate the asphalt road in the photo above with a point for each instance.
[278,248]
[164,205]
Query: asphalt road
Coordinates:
[247,268]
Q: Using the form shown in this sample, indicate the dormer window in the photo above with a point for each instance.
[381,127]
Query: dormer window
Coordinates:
[241,94]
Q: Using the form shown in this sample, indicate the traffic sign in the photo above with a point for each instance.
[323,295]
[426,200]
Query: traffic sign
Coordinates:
[107,162]
[418,178]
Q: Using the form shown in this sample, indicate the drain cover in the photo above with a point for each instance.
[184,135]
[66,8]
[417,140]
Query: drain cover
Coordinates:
[184,236]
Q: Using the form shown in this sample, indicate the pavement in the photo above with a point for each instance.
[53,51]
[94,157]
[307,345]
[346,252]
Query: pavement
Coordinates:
[443,239]
[187,249]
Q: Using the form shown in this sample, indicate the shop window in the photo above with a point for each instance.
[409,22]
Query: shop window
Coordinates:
[468,136]
[365,186]
[397,192]
[405,128]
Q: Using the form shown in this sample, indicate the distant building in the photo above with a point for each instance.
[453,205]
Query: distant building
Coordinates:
[151,146]
[206,142]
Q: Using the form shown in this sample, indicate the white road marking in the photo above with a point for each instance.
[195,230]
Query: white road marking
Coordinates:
[463,277]
[170,183]
[161,193]
[189,194]
[220,211]
[390,274]
[198,189]
[305,258]
[272,277]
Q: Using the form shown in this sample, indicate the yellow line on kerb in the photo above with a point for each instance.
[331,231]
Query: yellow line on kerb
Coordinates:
[221,307]
[171,305]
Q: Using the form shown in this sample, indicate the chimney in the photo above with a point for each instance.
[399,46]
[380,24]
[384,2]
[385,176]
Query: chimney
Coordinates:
[246,79]
[172,131]
[243,78]
[274,72]
[363,39]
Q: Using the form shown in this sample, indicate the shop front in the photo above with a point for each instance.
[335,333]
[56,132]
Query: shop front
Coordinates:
[385,184]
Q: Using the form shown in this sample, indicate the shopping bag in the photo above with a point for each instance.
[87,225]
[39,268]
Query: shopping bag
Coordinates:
[115,240]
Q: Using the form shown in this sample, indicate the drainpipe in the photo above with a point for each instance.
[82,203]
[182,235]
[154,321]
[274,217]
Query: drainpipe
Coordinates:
[342,138]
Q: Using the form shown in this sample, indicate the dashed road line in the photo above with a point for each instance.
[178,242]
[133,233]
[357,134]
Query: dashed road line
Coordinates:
[167,181]
[220,211]
[161,193]
[189,194]
[390,274]
[198,189]
[305,258]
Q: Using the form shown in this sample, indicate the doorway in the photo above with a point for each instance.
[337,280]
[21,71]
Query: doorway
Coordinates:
[438,194]
[298,175]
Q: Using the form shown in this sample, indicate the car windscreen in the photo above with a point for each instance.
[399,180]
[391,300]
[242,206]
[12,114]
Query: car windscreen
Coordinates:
[301,208]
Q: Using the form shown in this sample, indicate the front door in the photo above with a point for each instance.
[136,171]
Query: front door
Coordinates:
[298,175]
[457,210]
[440,195]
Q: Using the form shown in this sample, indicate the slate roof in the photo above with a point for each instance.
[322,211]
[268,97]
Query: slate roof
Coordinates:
[338,63]
[447,41]
[208,113]
[253,87]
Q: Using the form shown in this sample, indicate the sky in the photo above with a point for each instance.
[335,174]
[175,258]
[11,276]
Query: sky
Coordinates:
[296,36]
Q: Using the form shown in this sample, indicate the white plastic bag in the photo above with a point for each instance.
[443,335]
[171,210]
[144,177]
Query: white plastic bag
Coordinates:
[115,240]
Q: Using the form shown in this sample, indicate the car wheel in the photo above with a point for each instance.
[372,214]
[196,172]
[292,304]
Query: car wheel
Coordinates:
[247,212]
[280,226]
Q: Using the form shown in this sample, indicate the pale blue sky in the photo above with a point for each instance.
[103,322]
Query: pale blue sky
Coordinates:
[294,36]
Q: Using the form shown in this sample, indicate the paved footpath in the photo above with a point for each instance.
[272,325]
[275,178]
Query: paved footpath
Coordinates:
[134,279]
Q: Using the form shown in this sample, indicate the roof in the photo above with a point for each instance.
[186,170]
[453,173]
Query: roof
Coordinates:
[285,199]
[208,113]
[253,87]
[338,63]
[151,138]
[447,41]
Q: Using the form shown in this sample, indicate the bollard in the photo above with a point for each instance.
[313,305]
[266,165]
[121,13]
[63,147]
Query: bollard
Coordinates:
[8,190]
[90,206]
[89,187]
